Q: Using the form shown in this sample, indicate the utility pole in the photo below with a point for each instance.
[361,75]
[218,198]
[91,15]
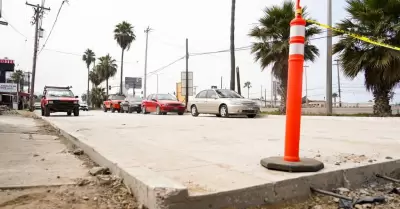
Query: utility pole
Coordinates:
[157,83]
[272,89]
[147,31]
[39,10]
[2,22]
[329,62]
[29,82]
[305,77]
[238,81]
[265,97]
[221,82]
[187,73]
[338,80]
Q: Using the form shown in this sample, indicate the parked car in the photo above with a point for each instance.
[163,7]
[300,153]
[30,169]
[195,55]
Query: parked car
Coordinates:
[113,103]
[37,105]
[132,104]
[162,104]
[59,99]
[83,106]
[223,103]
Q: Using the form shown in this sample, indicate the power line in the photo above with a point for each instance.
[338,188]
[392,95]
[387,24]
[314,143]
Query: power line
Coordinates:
[241,48]
[15,29]
[79,55]
[166,66]
[55,21]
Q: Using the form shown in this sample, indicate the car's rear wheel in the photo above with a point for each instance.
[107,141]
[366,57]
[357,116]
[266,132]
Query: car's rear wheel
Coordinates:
[252,116]
[223,111]
[138,111]
[69,113]
[181,113]
[144,111]
[76,112]
[158,111]
[218,115]
[193,111]
[46,111]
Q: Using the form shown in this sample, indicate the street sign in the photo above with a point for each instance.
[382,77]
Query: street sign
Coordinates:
[183,83]
[133,82]
[8,87]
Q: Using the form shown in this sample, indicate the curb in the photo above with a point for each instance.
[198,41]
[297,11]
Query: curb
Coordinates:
[157,192]
[149,188]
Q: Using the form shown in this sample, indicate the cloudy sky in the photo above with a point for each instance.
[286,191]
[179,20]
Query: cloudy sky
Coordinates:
[86,24]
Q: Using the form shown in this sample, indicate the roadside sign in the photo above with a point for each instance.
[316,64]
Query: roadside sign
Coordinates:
[183,83]
[8,87]
[133,82]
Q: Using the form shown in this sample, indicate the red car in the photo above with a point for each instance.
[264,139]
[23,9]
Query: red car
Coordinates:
[59,99]
[113,103]
[162,104]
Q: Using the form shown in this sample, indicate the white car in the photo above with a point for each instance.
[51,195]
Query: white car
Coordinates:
[83,106]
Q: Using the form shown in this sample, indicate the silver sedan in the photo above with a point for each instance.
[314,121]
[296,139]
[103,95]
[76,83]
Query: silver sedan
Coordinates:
[223,103]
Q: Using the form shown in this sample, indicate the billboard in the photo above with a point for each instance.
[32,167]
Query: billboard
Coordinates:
[8,87]
[133,82]
[183,83]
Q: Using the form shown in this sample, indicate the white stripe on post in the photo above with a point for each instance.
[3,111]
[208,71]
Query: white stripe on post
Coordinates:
[296,48]
[298,30]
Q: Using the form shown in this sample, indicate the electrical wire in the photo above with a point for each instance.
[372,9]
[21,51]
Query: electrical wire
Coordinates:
[54,24]
[164,67]
[15,29]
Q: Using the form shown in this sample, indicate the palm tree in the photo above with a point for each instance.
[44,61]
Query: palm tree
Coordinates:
[248,86]
[272,43]
[97,96]
[334,96]
[375,19]
[94,76]
[88,57]
[18,77]
[123,34]
[107,68]
[232,40]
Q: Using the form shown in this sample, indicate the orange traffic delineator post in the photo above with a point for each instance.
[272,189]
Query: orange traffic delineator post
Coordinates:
[291,161]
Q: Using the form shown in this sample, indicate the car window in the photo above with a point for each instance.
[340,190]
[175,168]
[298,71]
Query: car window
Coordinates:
[165,97]
[59,93]
[225,93]
[202,94]
[149,97]
[211,94]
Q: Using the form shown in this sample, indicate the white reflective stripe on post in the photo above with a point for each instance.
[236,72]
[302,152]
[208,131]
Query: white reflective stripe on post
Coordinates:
[298,30]
[296,48]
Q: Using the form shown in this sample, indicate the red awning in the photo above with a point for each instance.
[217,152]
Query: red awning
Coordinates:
[23,94]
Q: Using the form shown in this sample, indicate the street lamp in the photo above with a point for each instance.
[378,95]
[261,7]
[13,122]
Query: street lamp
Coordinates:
[329,62]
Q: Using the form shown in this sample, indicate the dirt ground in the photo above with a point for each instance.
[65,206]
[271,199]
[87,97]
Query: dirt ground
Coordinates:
[89,192]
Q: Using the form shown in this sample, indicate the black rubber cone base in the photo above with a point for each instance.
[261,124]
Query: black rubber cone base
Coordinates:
[305,165]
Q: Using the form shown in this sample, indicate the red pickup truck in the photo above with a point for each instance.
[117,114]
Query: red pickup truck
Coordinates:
[59,99]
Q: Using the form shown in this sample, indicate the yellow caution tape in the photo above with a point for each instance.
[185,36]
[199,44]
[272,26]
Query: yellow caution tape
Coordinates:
[359,37]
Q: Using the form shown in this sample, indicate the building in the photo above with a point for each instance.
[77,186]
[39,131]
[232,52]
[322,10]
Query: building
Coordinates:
[8,89]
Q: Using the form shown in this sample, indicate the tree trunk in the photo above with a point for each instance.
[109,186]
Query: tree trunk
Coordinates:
[232,83]
[88,81]
[382,106]
[122,71]
[107,86]
[248,92]
[283,94]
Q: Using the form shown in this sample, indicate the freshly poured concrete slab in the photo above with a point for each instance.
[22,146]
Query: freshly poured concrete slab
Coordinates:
[218,160]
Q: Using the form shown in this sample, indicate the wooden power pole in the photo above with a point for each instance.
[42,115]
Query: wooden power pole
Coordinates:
[38,14]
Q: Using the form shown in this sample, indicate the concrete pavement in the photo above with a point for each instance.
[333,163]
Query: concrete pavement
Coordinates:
[32,157]
[207,162]
[335,110]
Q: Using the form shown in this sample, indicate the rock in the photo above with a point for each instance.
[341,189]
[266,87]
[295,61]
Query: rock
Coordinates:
[317,207]
[358,207]
[370,161]
[58,177]
[364,192]
[318,155]
[35,155]
[342,190]
[388,158]
[335,199]
[367,205]
[104,179]
[94,198]
[78,152]
[83,182]
[337,163]
[85,198]
[42,159]
[98,170]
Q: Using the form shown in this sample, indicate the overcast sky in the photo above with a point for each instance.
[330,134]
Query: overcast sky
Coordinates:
[89,24]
